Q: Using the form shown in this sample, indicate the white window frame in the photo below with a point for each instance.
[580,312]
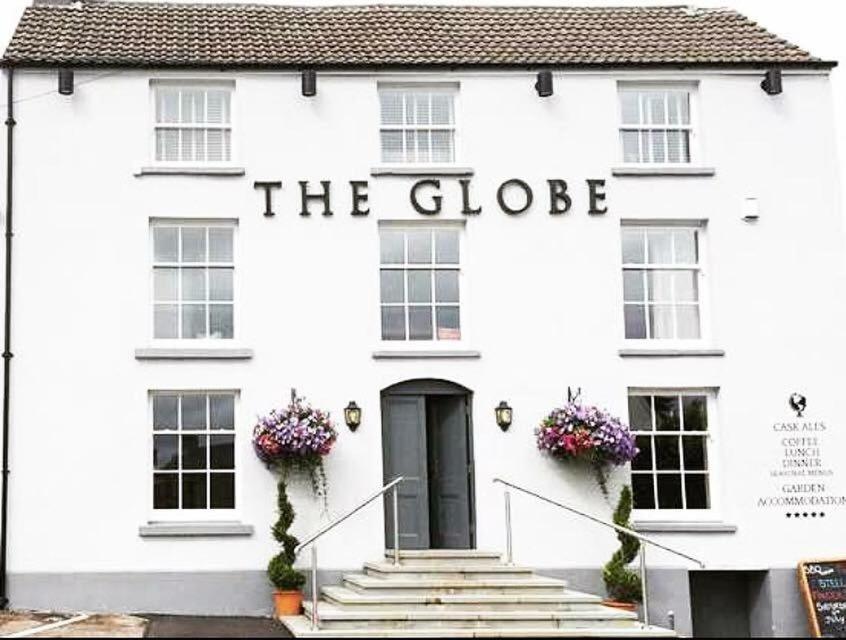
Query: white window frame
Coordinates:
[420,87]
[700,226]
[193,515]
[694,150]
[711,438]
[228,223]
[434,343]
[194,84]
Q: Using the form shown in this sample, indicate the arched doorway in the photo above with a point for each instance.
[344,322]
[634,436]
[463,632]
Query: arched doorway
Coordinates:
[427,438]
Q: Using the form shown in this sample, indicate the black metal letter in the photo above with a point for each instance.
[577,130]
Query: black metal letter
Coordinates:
[558,193]
[268,189]
[500,196]
[466,209]
[358,197]
[308,197]
[436,199]
[597,197]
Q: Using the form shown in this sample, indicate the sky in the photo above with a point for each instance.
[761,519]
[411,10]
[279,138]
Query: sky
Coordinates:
[814,25]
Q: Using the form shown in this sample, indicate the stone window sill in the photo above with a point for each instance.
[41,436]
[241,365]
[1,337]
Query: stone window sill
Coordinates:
[186,353]
[681,352]
[422,171]
[652,172]
[194,529]
[191,171]
[410,354]
[683,527]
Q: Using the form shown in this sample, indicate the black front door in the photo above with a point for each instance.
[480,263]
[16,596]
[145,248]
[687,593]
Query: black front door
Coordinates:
[426,439]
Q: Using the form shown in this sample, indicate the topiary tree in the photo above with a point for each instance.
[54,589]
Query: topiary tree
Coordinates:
[280,569]
[622,583]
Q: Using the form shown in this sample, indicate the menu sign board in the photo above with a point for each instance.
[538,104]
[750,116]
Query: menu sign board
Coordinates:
[823,586]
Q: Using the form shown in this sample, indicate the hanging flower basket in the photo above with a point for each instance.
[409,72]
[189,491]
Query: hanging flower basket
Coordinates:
[577,432]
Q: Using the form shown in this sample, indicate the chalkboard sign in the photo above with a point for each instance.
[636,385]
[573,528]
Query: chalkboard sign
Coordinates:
[823,585]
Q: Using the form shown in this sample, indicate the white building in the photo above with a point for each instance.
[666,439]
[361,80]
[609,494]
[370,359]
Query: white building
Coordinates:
[694,283]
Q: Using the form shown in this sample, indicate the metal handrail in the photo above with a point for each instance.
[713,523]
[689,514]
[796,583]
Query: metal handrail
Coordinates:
[393,484]
[605,523]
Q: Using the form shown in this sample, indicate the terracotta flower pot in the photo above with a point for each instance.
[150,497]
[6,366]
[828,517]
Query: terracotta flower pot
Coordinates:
[625,606]
[288,603]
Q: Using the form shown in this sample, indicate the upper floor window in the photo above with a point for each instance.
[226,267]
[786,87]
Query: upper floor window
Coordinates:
[661,283]
[193,124]
[419,276]
[655,125]
[193,280]
[417,125]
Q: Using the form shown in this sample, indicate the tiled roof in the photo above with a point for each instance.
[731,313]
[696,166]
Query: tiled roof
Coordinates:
[160,34]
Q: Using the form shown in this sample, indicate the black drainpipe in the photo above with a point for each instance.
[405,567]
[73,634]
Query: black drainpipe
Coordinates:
[7,345]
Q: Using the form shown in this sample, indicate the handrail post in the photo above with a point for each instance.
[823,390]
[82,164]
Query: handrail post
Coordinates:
[644,584]
[395,499]
[315,619]
[509,552]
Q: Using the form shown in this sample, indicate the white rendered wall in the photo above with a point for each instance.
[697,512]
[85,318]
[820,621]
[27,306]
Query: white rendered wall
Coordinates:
[542,303]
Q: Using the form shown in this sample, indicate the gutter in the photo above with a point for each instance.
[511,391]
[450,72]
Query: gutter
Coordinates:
[7,344]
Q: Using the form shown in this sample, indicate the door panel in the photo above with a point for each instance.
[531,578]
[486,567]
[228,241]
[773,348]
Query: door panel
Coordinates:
[404,451]
[449,481]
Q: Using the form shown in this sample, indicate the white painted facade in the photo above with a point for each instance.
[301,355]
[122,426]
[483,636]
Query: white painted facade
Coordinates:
[541,301]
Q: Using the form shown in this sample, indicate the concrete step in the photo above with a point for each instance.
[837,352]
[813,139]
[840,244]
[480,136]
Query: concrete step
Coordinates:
[565,600]
[438,556]
[436,586]
[300,627]
[453,569]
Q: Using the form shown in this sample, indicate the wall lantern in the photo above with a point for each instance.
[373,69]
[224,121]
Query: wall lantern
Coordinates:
[544,84]
[309,83]
[504,415]
[66,82]
[352,416]
[772,82]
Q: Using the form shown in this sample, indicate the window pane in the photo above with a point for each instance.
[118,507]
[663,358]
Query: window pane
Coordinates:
[442,113]
[165,409]
[695,457]
[446,247]
[165,452]
[221,322]
[222,411]
[410,154]
[442,146]
[678,146]
[695,413]
[392,146]
[218,106]
[165,284]
[633,286]
[167,105]
[640,413]
[420,323]
[419,285]
[448,323]
[685,286]
[193,412]
[684,242]
[392,285]
[667,413]
[166,244]
[421,107]
[659,146]
[688,322]
[391,107]
[669,491]
[643,461]
[220,244]
[223,491]
[696,491]
[194,321]
[193,106]
[635,321]
[446,286]
[631,146]
[643,491]
[683,101]
[655,107]
[192,145]
[424,146]
[633,246]
[217,145]
[667,453]
[193,284]
[660,246]
[194,452]
[419,247]
[194,491]
[193,244]
[661,322]
[220,284]
[630,107]
[222,453]
[165,491]
[392,247]
[165,321]
[167,145]
[660,285]
[393,323]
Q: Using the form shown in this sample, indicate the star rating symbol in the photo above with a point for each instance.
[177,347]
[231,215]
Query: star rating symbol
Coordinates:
[805,514]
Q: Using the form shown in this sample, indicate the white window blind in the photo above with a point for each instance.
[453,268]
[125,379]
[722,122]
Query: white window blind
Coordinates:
[656,125]
[193,124]
[417,125]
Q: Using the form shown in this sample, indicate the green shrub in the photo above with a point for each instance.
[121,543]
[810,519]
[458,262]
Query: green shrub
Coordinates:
[282,574]
[622,583]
